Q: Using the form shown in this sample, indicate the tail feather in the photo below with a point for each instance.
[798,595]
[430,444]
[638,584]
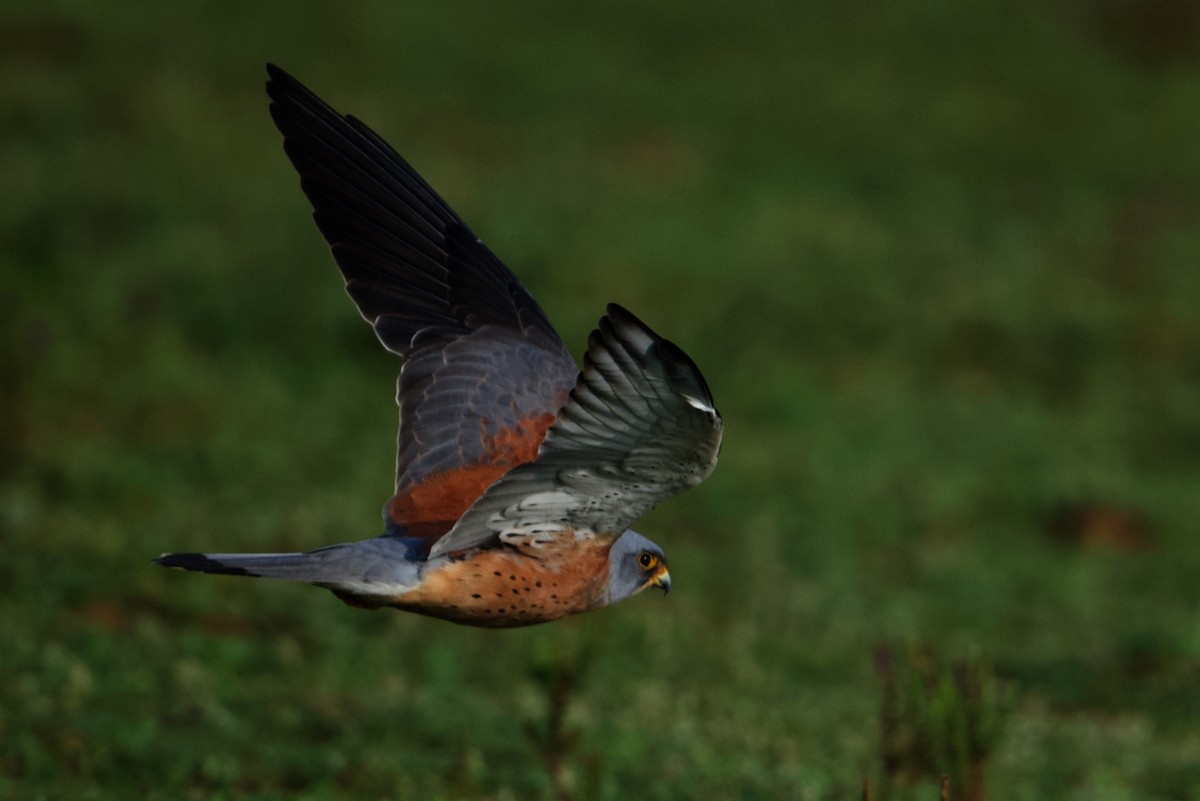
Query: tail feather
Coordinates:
[380,565]
[297,566]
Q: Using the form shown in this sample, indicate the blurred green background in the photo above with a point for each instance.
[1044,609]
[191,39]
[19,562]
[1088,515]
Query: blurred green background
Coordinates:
[938,261]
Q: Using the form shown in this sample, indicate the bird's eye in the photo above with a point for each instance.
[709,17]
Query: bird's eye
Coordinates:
[647,559]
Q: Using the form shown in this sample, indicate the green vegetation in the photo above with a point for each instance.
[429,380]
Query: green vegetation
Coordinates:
[938,262]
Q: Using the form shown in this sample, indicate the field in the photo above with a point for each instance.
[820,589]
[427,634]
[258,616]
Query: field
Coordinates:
[940,263]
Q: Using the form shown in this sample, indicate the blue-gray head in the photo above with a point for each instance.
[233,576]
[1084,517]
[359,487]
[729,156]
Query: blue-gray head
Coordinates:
[635,563]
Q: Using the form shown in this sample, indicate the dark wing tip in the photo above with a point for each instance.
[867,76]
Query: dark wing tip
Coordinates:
[280,81]
[617,310]
[200,562]
[285,91]
[680,370]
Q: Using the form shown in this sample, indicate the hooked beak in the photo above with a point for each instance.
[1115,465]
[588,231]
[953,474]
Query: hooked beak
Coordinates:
[662,580]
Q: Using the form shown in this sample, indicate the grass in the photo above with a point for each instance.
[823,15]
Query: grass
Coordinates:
[938,263]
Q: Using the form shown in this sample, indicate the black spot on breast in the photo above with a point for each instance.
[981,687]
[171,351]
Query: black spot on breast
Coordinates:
[537,583]
[476,595]
[512,578]
[496,573]
[516,591]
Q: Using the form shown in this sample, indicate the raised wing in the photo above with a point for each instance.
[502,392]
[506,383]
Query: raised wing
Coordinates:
[485,373]
[640,426]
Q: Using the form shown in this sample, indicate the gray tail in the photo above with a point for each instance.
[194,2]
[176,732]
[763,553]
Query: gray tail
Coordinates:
[383,564]
[295,566]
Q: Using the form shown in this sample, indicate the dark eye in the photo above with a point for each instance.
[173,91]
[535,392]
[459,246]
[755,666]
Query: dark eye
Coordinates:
[647,559]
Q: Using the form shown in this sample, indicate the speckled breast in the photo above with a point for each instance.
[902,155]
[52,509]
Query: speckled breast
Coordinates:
[502,586]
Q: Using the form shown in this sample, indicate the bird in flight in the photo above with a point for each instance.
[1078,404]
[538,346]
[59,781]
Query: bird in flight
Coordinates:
[517,474]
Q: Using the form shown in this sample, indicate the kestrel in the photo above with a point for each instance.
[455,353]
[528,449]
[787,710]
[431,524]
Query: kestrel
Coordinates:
[517,474]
